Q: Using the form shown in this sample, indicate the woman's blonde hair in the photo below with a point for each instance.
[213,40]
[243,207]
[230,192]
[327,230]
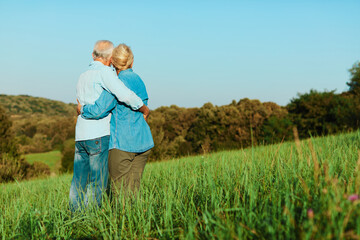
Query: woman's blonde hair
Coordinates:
[122,57]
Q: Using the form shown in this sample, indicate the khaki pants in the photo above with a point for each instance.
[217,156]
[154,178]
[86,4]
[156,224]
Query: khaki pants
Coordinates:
[126,169]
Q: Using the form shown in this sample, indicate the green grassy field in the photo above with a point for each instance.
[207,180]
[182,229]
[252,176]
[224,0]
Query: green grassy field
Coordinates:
[52,159]
[285,191]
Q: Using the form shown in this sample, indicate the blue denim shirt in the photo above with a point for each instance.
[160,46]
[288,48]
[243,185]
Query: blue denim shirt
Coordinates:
[128,129]
[90,85]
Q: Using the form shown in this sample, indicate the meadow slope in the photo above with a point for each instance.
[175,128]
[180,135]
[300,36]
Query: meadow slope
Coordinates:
[285,191]
[52,159]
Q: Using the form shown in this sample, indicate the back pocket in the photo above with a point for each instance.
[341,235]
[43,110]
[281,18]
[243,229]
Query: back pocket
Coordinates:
[94,146]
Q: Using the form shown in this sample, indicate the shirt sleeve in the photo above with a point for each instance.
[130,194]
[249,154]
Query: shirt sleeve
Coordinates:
[101,108]
[118,88]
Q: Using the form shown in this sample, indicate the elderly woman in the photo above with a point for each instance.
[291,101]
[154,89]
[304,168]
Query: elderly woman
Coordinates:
[130,135]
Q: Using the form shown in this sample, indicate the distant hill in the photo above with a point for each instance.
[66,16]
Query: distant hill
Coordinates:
[39,124]
[28,105]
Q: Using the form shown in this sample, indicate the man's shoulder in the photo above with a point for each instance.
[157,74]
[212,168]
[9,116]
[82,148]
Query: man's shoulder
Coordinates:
[98,66]
[89,74]
[96,70]
[106,70]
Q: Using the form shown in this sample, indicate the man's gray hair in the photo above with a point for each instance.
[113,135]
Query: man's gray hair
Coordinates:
[103,49]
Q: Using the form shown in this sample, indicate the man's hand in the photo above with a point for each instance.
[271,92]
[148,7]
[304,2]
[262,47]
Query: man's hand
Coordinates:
[145,110]
[78,107]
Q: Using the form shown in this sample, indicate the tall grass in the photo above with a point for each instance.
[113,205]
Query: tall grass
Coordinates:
[283,191]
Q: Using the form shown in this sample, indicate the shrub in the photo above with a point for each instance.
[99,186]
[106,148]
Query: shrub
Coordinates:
[17,169]
[276,129]
[38,169]
[68,152]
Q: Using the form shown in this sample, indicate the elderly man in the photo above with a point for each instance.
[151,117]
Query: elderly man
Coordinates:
[92,136]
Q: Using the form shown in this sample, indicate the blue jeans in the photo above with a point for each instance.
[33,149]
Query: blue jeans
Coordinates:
[90,172]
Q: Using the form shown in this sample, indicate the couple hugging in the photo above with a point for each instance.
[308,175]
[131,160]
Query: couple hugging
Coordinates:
[112,135]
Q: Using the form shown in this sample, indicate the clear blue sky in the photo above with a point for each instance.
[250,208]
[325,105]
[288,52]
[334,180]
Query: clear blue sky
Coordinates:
[187,52]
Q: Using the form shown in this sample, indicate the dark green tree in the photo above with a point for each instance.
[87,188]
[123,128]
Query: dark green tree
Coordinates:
[354,83]
[320,113]
[7,142]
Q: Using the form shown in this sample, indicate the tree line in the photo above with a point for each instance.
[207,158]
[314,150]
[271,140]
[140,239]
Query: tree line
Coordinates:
[187,131]
[181,131]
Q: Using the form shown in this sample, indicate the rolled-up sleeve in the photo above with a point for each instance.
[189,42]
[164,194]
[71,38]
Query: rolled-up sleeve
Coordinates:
[118,88]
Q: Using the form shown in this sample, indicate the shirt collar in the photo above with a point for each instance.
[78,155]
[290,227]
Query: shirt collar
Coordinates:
[126,71]
[96,63]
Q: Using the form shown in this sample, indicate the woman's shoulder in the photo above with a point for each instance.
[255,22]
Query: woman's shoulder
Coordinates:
[134,82]
[131,77]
